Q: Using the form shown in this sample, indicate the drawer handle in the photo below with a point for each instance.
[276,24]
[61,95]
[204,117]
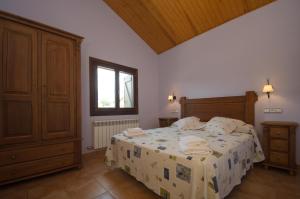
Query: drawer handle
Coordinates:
[13,157]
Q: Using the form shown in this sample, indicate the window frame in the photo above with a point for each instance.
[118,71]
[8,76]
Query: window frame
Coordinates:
[94,110]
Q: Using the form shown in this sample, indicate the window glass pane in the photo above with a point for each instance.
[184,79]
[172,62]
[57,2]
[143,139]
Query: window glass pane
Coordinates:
[106,87]
[126,90]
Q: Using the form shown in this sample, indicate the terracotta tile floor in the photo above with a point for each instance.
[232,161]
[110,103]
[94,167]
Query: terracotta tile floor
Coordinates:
[97,181]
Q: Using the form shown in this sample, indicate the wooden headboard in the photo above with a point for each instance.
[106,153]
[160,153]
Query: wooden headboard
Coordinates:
[237,107]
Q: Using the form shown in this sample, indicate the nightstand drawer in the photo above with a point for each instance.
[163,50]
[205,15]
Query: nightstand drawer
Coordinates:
[279,158]
[279,132]
[166,122]
[279,145]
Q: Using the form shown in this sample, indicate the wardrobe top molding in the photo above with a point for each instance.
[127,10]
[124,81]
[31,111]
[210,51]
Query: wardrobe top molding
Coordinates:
[38,25]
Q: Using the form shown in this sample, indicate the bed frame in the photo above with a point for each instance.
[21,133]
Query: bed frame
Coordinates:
[237,107]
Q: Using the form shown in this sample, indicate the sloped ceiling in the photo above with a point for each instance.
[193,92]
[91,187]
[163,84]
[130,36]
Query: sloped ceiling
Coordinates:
[163,24]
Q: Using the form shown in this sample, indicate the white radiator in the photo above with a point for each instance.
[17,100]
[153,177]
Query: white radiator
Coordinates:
[104,130]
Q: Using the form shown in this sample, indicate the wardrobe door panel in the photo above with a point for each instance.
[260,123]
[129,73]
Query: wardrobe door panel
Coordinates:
[59,112]
[19,101]
[58,87]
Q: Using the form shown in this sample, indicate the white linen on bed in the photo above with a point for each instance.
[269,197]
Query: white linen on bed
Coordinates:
[193,145]
[156,160]
[191,140]
[133,132]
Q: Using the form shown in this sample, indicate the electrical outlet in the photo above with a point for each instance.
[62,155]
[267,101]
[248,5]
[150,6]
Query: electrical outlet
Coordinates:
[272,110]
[275,110]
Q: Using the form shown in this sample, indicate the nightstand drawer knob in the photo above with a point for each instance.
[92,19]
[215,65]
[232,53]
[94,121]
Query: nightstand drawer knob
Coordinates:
[13,157]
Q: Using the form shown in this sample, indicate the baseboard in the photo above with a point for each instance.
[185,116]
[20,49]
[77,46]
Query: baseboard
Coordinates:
[90,152]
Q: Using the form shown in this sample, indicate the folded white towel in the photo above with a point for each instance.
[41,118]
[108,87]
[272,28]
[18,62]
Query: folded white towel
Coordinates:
[205,150]
[132,132]
[192,145]
[191,139]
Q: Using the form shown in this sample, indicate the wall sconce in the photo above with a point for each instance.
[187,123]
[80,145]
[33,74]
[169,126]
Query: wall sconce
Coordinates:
[171,98]
[268,88]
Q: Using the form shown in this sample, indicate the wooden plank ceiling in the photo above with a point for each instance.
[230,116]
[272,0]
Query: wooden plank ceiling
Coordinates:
[163,24]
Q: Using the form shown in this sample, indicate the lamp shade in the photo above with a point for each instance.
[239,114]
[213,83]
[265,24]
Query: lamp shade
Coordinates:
[268,88]
[171,98]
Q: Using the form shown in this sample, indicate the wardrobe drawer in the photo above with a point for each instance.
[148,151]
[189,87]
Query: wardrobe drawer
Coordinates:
[279,132]
[20,170]
[279,145]
[279,158]
[34,153]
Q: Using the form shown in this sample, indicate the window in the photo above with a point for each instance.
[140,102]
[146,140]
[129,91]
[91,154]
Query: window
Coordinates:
[113,88]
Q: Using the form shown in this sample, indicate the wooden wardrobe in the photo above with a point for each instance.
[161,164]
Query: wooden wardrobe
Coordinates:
[39,99]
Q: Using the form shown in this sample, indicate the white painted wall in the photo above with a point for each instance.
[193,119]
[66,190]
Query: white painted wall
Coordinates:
[239,56]
[107,37]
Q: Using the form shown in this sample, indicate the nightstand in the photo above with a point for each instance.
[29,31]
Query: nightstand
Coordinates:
[279,143]
[166,121]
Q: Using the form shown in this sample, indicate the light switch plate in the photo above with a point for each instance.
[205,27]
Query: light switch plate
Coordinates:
[272,110]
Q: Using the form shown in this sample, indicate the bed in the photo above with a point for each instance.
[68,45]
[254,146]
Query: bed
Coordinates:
[156,161]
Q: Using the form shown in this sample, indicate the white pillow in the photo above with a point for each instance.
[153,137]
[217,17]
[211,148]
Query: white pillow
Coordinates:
[246,128]
[238,122]
[188,123]
[223,125]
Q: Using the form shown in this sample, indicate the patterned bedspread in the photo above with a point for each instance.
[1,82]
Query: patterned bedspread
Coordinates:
[155,160]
